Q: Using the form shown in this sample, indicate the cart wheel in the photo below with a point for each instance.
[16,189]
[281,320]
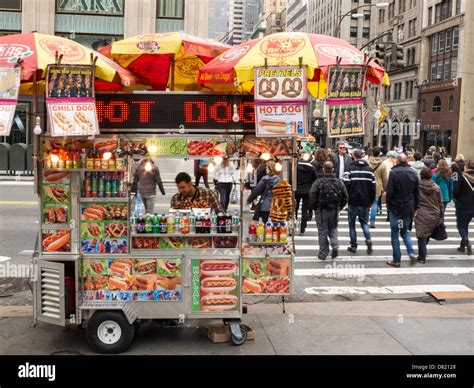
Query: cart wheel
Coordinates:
[109,332]
[239,341]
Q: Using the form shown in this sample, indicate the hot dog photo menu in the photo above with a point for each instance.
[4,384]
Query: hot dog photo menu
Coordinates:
[148,279]
[267,276]
[215,285]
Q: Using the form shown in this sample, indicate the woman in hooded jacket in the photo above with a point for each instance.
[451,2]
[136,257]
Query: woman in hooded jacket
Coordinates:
[429,213]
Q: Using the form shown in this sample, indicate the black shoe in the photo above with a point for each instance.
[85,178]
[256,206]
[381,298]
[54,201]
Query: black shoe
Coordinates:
[352,250]
[372,224]
[393,264]
[469,250]
[421,260]
[461,249]
[322,258]
[334,253]
[369,247]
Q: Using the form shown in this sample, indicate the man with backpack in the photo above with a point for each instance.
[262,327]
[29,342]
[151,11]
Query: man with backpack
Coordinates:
[360,183]
[327,197]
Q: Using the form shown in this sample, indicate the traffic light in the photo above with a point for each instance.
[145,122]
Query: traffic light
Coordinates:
[380,54]
[397,56]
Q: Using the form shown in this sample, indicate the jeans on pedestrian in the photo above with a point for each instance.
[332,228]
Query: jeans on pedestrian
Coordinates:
[326,221]
[399,226]
[204,177]
[149,203]
[304,210]
[374,209]
[362,213]
[138,205]
[224,190]
[463,218]
[422,249]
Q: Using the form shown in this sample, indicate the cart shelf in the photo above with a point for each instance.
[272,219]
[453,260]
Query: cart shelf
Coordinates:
[104,199]
[267,244]
[189,235]
[84,169]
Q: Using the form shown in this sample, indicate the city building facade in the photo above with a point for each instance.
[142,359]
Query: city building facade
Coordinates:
[297,15]
[243,16]
[218,19]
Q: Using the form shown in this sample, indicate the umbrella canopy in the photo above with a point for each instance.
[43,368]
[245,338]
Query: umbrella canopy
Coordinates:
[317,52]
[162,59]
[37,51]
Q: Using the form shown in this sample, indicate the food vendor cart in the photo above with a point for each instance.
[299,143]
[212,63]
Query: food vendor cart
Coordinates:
[100,268]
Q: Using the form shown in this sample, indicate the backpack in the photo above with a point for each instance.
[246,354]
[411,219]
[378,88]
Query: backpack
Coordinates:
[330,194]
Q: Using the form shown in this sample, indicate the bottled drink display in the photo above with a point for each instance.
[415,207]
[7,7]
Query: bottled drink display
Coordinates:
[268,232]
[260,231]
[103,185]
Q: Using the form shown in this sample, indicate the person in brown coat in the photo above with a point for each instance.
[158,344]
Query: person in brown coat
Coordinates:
[429,213]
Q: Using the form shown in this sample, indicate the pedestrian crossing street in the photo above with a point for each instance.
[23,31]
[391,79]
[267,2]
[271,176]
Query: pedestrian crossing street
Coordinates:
[360,275]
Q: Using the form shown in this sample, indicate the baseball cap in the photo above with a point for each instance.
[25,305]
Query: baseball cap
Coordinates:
[392,154]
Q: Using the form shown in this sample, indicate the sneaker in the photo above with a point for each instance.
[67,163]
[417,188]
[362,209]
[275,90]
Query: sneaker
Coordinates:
[352,250]
[334,253]
[372,224]
[393,264]
[369,247]
[301,234]
[421,260]
[413,256]
[469,250]
[413,260]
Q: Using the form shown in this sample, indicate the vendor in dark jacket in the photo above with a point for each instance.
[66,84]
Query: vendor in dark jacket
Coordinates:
[305,176]
[360,183]
[403,193]
[464,202]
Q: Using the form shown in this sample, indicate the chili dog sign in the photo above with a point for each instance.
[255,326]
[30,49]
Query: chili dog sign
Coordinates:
[9,87]
[70,100]
[281,84]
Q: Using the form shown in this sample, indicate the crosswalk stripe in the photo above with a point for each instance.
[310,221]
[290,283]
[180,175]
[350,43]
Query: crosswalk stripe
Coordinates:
[354,271]
[362,247]
[409,289]
[343,238]
[372,231]
[348,259]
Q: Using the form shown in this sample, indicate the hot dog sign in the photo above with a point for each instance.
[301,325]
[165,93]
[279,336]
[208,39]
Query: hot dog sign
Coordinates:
[281,84]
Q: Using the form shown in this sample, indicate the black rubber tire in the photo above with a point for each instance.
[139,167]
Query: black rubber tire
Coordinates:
[237,342]
[126,338]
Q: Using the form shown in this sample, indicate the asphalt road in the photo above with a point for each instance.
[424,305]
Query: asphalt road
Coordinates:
[350,277]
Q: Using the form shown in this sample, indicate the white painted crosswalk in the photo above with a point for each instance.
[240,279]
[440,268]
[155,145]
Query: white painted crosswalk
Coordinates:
[410,289]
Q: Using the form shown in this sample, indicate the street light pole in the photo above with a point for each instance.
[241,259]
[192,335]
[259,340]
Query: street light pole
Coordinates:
[351,12]
[420,88]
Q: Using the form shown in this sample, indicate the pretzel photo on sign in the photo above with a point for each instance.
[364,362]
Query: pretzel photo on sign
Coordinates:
[291,88]
[268,88]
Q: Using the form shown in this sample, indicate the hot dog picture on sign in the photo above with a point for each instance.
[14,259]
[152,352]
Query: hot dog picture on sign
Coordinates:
[9,87]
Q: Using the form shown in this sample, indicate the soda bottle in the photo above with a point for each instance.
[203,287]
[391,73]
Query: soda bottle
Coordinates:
[220,223]
[207,224]
[171,223]
[276,232]
[199,224]
[228,224]
[192,223]
[185,225]
[283,232]
[268,232]
[94,185]
[252,232]
[148,226]
[140,224]
[177,223]
[108,185]
[101,188]
[156,223]
[213,222]
[121,184]
[260,231]
[163,224]
[87,185]
[235,221]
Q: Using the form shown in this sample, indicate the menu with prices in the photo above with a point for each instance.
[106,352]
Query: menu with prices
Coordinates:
[266,276]
[132,279]
[214,285]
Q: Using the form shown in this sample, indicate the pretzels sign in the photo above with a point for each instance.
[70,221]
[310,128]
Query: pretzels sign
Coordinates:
[291,88]
[268,88]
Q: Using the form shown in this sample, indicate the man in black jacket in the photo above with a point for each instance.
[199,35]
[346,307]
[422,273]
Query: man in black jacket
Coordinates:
[305,176]
[360,183]
[341,160]
[402,202]
[464,202]
[327,197]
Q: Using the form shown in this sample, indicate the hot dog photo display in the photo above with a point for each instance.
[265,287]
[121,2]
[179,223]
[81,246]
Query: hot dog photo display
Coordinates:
[215,285]
[266,276]
[132,279]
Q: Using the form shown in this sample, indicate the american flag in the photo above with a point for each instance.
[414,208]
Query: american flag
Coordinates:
[365,111]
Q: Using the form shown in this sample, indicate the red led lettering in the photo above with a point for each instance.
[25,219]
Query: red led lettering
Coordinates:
[144,110]
[100,110]
[117,112]
[213,111]
[190,107]
[247,112]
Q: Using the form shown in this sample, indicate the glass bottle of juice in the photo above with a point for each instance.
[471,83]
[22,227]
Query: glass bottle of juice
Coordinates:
[185,225]
[268,232]
[171,223]
[260,231]
[283,232]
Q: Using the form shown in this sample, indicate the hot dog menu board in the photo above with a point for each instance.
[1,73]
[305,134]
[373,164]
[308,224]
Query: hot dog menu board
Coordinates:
[281,120]
[131,279]
[104,228]
[266,276]
[215,285]
[56,213]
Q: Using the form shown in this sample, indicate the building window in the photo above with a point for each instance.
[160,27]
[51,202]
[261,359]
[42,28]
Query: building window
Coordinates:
[455,38]
[458,7]
[449,37]
[451,103]
[436,104]
[398,91]
[170,9]
[439,72]
[413,56]
[10,5]
[437,12]
[366,15]
[434,44]
[391,10]
[447,70]
[430,16]
[423,105]
[365,32]
[442,37]
[412,3]
[381,16]
[412,28]
[387,93]
[353,32]
[454,68]
[401,6]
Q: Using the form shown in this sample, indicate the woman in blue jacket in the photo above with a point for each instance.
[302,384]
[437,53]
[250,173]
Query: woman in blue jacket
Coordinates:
[442,177]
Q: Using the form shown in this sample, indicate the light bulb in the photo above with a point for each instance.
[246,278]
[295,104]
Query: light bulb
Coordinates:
[306,156]
[316,112]
[266,156]
[107,155]
[37,129]
[249,168]
[278,166]
[152,149]
[54,158]
[211,167]
[148,166]
[235,116]
[377,113]
[218,159]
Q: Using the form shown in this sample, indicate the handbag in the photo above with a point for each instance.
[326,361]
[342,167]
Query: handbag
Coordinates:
[439,233]
[234,198]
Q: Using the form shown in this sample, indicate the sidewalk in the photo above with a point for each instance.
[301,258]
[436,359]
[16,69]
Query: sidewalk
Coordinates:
[394,327]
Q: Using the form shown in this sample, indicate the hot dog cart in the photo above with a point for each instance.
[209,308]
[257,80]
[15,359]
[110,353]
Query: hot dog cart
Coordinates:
[100,267]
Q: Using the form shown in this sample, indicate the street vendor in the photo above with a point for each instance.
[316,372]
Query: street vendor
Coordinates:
[190,196]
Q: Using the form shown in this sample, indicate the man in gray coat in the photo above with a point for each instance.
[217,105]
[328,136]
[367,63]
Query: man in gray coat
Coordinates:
[146,178]
[327,197]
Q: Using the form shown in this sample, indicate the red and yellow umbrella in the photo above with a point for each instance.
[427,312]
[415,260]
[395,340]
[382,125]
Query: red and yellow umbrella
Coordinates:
[165,59]
[316,52]
[37,51]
